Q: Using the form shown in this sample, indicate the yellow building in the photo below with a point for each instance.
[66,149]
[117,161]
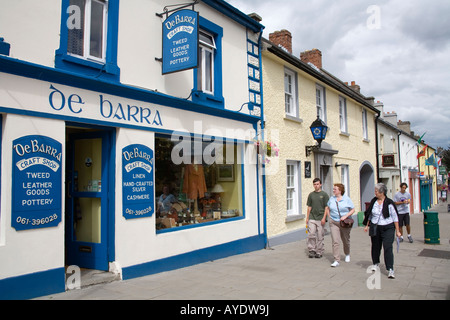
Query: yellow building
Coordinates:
[296,91]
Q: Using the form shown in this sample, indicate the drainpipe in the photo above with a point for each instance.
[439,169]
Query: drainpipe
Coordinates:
[266,237]
[376,146]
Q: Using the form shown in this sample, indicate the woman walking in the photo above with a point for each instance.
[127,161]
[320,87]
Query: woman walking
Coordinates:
[382,219]
[339,208]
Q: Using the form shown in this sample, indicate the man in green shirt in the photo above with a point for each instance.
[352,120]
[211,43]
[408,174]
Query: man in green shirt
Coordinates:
[315,219]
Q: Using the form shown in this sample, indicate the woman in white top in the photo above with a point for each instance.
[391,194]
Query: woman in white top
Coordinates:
[382,218]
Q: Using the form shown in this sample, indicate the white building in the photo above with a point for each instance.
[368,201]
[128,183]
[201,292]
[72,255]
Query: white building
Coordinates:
[409,164]
[91,130]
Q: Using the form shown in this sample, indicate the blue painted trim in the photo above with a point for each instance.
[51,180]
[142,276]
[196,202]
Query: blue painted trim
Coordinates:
[33,285]
[109,70]
[111,241]
[39,72]
[195,257]
[235,14]
[4,47]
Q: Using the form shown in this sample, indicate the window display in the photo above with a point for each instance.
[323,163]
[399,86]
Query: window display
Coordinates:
[197,192]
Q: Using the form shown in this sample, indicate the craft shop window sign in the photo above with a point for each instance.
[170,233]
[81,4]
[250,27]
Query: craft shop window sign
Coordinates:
[137,179]
[180,39]
[198,192]
[36,183]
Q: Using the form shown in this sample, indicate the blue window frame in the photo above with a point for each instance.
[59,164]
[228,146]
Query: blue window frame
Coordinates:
[89,37]
[210,94]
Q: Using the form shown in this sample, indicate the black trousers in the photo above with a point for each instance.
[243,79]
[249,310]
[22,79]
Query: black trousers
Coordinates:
[384,238]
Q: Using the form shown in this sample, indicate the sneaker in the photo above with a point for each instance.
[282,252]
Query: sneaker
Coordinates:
[347,258]
[318,256]
[410,239]
[401,239]
[311,254]
[375,267]
[335,264]
[391,274]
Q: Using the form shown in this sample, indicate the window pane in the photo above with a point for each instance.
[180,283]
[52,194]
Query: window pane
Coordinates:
[75,38]
[96,41]
[208,71]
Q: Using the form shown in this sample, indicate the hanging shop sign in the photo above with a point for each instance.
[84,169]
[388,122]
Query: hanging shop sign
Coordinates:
[36,183]
[137,180]
[180,41]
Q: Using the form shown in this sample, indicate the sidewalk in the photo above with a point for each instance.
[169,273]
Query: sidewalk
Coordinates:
[286,273]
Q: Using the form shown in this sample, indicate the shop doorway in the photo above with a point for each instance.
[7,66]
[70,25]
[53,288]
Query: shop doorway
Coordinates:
[89,204]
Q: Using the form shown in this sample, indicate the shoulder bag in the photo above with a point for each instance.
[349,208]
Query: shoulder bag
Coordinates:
[346,223]
[373,226]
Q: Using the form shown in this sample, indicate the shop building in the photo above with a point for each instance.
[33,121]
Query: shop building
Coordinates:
[388,150]
[122,151]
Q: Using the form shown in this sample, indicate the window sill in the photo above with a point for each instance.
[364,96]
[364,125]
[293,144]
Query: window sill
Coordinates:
[292,118]
[295,217]
[345,134]
[104,71]
[208,99]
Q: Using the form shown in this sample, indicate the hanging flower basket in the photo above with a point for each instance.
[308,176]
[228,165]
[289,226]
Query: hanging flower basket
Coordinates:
[267,149]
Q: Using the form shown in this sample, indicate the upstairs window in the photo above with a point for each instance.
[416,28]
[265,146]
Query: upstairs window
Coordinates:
[364,125]
[207,50]
[89,37]
[290,93]
[87,33]
[343,114]
[208,89]
[320,103]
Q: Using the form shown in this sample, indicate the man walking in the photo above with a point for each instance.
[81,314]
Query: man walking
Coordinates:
[402,200]
[315,219]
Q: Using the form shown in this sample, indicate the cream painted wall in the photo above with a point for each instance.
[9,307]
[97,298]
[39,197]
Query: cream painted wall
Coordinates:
[295,135]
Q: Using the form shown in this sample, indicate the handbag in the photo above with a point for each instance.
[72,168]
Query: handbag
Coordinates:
[373,226]
[346,223]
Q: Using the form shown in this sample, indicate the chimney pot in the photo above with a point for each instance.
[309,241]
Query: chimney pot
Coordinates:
[314,56]
[282,38]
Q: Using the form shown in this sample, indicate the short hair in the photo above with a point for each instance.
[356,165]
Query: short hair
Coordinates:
[317,180]
[381,187]
[403,184]
[341,187]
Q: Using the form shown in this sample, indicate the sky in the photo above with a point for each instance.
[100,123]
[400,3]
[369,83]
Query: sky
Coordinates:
[398,51]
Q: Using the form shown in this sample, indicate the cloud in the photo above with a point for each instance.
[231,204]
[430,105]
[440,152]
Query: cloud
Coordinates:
[403,61]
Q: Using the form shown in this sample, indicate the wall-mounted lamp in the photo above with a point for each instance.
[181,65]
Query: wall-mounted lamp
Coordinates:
[319,131]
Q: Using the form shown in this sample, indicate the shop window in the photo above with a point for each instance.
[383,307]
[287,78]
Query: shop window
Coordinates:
[197,182]
[89,34]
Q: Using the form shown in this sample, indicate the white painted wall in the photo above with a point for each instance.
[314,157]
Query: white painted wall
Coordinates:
[28,251]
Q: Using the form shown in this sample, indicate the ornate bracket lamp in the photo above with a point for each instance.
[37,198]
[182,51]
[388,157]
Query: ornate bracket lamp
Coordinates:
[319,131]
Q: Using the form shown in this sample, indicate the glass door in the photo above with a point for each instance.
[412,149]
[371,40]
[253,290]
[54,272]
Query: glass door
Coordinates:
[87,201]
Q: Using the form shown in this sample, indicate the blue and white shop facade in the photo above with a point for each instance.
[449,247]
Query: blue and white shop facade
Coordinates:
[109,164]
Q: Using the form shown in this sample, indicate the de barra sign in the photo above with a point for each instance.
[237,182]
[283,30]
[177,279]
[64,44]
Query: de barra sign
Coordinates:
[180,41]
[36,186]
[137,179]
